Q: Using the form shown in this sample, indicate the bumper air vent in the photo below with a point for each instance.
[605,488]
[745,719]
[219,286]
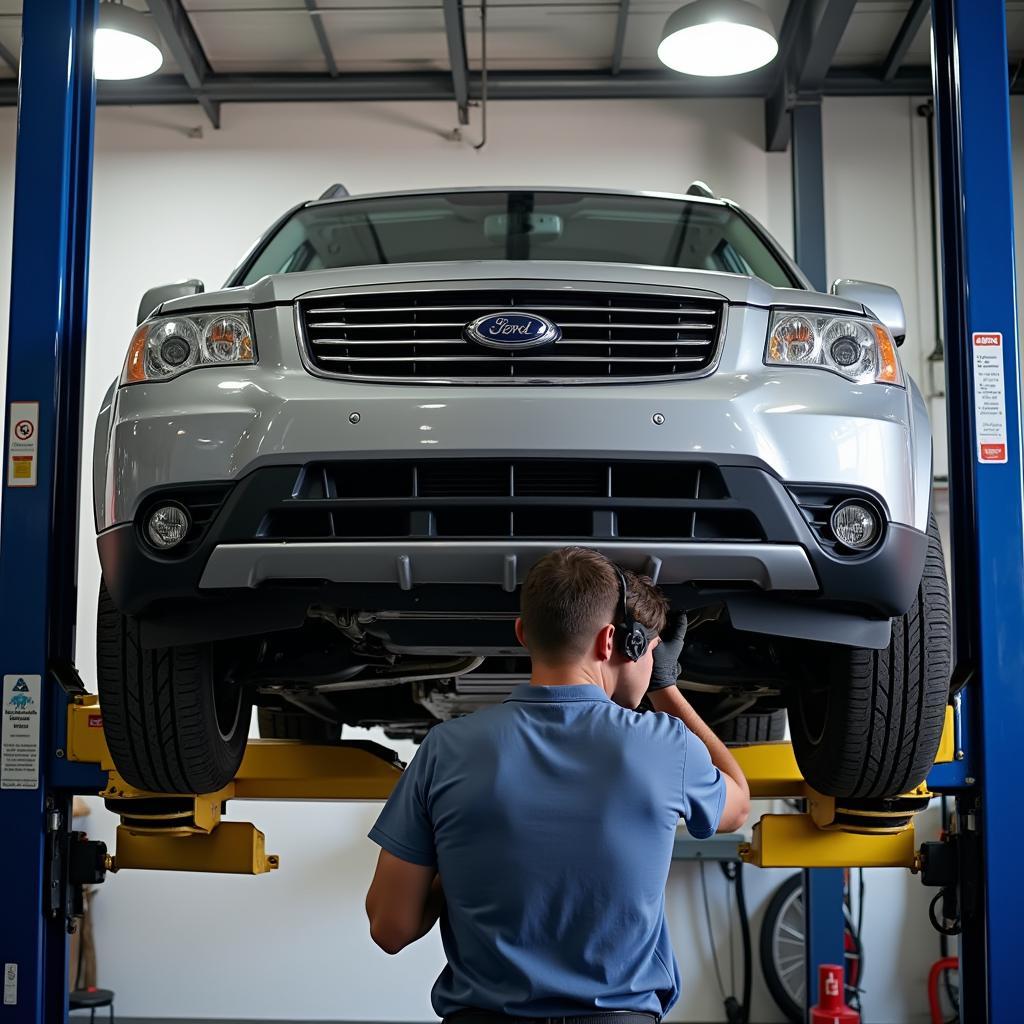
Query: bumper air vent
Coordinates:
[568,499]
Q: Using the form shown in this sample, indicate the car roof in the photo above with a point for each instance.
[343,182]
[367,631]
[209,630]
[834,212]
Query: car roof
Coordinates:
[524,188]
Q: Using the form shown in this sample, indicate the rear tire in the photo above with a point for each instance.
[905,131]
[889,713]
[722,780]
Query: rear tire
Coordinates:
[869,724]
[296,725]
[172,722]
[766,728]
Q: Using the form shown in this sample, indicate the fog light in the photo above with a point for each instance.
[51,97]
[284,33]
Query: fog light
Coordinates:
[167,526]
[855,525]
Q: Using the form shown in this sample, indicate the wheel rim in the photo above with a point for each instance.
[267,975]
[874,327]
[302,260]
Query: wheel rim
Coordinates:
[789,948]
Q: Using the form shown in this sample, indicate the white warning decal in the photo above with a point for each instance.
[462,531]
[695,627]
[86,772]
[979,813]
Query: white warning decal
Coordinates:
[989,396]
[23,445]
[19,734]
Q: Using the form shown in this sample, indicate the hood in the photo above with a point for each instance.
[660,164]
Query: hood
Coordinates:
[284,289]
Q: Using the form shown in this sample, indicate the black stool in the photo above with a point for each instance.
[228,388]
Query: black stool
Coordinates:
[92,999]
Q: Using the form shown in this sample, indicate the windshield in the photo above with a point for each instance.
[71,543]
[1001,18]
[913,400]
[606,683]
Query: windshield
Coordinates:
[520,225]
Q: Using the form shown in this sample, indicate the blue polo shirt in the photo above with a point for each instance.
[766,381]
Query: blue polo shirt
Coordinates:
[551,819]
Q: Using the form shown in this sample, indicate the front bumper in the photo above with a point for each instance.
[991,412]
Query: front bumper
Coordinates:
[286,537]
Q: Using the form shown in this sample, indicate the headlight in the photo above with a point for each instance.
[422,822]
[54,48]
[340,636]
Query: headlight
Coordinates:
[166,346]
[859,349]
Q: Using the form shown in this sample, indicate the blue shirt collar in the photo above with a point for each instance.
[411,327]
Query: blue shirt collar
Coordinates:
[555,694]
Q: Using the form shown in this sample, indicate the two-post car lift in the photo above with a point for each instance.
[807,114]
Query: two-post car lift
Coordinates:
[52,744]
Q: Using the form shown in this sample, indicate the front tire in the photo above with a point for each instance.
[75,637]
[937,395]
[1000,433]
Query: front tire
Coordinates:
[867,723]
[174,722]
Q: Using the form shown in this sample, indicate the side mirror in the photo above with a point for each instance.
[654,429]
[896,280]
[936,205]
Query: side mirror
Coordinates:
[165,292]
[881,300]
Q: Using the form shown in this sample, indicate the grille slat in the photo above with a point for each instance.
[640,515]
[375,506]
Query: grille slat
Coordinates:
[673,311]
[606,337]
[519,357]
[460,344]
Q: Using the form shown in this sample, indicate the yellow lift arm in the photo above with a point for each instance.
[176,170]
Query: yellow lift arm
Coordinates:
[185,833]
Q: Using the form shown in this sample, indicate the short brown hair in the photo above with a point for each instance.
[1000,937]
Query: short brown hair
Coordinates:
[571,593]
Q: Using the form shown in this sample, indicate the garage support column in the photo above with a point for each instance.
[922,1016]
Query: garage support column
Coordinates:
[42,452]
[809,192]
[972,118]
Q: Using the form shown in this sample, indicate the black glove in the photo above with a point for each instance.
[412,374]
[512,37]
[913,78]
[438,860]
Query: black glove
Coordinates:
[667,653]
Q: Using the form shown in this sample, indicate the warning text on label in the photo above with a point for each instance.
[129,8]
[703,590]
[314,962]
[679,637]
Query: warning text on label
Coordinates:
[19,732]
[989,396]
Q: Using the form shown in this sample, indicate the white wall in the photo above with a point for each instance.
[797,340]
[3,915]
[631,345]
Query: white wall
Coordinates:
[877,220]
[166,206]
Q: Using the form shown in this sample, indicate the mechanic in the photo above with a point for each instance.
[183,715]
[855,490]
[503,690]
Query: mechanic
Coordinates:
[551,817]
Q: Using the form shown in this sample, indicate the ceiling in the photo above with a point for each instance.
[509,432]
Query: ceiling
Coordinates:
[263,50]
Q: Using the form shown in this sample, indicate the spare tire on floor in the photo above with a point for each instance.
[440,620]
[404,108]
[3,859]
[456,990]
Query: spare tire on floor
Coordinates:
[173,720]
[867,723]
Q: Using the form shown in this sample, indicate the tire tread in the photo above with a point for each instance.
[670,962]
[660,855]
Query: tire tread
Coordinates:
[158,714]
[887,707]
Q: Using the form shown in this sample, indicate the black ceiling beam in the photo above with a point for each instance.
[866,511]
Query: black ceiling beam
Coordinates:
[830,20]
[816,27]
[181,39]
[8,58]
[321,37]
[455,30]
[776,106]
[908,81]
[507,85]
[908,32]
[620,36]
[511,85]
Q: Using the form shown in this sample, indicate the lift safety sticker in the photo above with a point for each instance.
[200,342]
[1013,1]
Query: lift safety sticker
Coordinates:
[19,736]
[23,445]
[10,984]
[989,396]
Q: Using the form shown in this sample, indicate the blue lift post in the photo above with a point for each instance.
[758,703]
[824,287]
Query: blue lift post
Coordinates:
[973,125]
[38,556]
[824,921]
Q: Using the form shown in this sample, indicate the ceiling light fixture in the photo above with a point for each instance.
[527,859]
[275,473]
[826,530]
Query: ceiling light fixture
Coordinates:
[714,38]
[127,43]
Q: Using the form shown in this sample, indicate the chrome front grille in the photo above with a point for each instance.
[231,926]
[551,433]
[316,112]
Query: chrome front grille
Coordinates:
[416,335]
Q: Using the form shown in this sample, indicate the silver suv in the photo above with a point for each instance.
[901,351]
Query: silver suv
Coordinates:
[318,489]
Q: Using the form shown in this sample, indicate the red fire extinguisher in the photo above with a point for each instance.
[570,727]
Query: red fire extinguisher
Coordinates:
[832,1008]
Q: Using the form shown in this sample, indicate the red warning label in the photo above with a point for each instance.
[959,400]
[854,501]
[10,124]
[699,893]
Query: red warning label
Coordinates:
[95,721]
[993,453]
[989,396]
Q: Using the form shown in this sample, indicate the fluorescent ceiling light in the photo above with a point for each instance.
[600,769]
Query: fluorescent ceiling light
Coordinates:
[127,43]
[717,38]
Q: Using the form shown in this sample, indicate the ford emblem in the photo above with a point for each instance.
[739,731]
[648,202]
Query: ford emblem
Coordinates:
[512,330]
